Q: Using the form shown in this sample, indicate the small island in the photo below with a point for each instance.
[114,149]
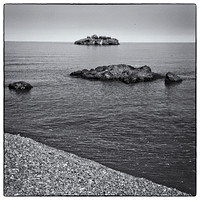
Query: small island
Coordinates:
[95,40]
[120,72]
[125,73]
[20,86]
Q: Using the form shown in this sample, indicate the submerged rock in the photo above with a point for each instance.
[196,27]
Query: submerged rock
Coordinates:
[172,78]
[121,72]
[20,86]
[95,40]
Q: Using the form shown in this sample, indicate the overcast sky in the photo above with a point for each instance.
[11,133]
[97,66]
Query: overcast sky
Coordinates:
[128,23]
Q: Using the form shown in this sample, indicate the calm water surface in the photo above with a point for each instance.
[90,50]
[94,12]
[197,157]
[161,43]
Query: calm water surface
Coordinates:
[146,129]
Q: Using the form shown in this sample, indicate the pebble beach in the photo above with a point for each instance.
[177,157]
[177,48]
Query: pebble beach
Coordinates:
[34,169]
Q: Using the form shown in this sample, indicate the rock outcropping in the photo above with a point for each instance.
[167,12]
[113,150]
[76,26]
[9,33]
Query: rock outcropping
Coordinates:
[95,40]
[172,78]
[121,72]
[20,86]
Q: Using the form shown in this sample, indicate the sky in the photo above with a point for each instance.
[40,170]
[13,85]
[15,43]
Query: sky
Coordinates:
[128,23]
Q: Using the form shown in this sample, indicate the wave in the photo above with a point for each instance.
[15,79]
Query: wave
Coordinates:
[188,77]
[28,63]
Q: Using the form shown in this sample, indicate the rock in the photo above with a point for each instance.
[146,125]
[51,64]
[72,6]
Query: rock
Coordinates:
[95,40]
[172,78]
[94,36]
[102,37]
[110,41]
[20,86]
[85,41]
[121,72]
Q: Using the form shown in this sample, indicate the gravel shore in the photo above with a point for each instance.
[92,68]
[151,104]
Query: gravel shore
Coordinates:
[34,169]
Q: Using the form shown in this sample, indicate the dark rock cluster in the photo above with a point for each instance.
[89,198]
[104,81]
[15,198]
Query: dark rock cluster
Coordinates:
[95,40]
[172,78]
[121,72]
[20,86]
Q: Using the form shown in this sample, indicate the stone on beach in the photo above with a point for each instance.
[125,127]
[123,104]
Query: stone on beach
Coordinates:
[34,169]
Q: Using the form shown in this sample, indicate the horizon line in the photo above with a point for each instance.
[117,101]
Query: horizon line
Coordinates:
[98,45]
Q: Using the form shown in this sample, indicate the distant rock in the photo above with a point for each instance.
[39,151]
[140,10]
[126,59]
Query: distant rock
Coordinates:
[172,78]
[103,37]
[110,41]
[94,36]
[121,72]
[20,86]
[95,40]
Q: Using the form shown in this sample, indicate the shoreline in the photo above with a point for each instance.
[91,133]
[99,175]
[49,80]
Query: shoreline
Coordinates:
[34,169]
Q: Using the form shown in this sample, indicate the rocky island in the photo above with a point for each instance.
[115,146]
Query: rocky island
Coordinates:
[20,86]
[172,78]
[95,40]
[121,72]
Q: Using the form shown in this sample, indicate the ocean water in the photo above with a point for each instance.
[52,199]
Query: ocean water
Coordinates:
[146,129]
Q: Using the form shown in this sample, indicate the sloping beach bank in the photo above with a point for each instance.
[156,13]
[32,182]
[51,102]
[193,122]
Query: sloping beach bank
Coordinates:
[34,169]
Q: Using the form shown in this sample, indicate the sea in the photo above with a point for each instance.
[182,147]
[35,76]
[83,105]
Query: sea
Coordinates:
[146,129]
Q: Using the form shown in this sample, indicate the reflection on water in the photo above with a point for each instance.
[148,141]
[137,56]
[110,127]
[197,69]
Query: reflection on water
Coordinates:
[172,84]
[20,92]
